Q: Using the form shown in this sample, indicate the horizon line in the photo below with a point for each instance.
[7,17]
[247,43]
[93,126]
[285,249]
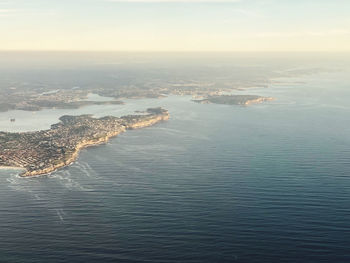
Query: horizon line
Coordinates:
[174,51]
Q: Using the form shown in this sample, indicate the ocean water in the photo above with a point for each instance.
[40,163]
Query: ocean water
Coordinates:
[216,183]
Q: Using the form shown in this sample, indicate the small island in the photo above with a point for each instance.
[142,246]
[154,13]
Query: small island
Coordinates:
[235,99]
[42,152]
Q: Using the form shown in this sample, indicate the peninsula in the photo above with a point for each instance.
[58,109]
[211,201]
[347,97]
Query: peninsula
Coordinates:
[235,99]
[45,151]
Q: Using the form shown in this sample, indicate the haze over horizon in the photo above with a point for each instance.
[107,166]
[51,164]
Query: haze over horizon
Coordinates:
[175,25]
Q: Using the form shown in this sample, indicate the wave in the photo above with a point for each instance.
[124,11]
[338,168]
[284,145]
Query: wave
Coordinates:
[66,180]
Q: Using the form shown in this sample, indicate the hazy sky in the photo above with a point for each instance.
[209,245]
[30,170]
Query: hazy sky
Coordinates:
[175,25]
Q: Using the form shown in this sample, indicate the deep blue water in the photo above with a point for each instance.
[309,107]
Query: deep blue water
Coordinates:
[216,183]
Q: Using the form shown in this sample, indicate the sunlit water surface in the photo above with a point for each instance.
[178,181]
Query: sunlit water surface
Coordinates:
[216,183]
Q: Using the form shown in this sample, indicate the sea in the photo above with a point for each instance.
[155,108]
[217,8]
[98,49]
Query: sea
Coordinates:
[216,183]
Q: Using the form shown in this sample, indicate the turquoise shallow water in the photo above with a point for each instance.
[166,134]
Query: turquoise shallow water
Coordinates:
[216,183]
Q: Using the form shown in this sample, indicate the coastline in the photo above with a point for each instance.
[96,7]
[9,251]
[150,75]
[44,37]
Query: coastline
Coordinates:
[137,125]
[11,168]
[72,159]
[240,100]
[259,100]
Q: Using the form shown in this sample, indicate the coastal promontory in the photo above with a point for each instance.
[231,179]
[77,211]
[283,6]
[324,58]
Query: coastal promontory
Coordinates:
[244,100]
[45,151]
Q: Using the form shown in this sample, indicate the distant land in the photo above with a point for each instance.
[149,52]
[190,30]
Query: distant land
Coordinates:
[42,152]
[37,99]
[34,101]
[235,99]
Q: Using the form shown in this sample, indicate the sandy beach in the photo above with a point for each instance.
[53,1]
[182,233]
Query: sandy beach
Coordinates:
[11,168]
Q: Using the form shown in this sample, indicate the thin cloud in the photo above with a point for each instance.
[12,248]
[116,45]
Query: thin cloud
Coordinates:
[174,1]
[249,13]
[333,32]
[7,12]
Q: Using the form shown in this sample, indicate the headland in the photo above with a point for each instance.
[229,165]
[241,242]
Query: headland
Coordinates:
[244,100]
[42,152]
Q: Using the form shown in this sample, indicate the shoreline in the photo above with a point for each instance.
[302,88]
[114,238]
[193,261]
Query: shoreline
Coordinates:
[240,100]
[90,143]
[68,162]
[11,168]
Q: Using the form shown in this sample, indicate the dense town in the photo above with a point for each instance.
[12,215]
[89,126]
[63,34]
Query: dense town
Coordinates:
[44,151]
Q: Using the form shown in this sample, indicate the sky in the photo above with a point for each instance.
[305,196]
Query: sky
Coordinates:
[175,25]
